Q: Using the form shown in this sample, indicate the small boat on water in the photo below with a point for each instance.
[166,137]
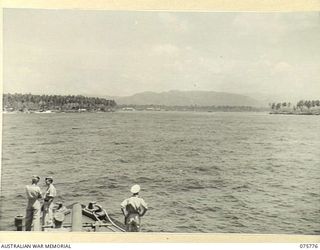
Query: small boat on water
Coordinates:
[78,217]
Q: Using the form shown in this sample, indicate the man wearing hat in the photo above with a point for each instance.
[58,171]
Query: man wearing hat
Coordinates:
[33,208]
[49,195]
[133,209]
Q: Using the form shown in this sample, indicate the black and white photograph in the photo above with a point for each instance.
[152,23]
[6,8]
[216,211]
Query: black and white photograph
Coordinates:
[160,121]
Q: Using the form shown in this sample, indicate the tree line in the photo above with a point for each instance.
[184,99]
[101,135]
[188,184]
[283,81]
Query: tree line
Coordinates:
[30,102]
[301,105]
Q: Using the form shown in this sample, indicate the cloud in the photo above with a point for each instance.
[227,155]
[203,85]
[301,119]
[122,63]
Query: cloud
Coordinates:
[73,51]
[173,22]
[258,22]
[165,49]
[282,67]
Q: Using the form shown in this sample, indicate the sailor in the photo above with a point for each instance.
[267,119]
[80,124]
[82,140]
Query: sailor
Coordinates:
[50,194]
[133,209]
[33,208]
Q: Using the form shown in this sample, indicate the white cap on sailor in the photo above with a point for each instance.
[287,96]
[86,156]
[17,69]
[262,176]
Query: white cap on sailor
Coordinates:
[135,189]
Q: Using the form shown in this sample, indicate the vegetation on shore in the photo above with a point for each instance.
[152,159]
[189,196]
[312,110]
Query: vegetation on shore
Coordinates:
[30,103]
[196,108]
[76,103]
[303,107]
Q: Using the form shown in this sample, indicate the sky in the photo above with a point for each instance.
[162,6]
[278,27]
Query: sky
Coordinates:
[120,53]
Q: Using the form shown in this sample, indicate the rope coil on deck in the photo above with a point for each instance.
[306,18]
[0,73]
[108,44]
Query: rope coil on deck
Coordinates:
[121,229]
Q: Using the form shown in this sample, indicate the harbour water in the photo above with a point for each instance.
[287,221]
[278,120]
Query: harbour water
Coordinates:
[199,172]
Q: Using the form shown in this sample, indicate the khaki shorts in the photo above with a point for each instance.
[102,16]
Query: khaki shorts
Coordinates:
[133,223]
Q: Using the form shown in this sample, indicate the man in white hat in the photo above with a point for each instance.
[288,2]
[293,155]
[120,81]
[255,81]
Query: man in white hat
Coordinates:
[33,208]
[133,209]
[50,194]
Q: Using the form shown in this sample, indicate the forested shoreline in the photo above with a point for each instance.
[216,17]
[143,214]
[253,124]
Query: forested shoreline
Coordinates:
[41,103]
[29,103]
[302,107]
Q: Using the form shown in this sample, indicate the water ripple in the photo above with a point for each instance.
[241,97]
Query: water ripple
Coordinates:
[221,173]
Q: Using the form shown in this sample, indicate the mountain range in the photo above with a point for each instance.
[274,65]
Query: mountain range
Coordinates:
[188,98]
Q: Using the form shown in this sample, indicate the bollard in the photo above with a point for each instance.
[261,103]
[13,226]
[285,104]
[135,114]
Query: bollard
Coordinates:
[18,222]
[76,218]
[92,204]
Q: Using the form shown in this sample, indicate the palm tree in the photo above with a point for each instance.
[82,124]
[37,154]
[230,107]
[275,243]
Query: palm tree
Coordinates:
[300,104]
[307,104]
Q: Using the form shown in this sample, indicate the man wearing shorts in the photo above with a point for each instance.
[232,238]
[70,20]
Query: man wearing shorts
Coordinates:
[133,209]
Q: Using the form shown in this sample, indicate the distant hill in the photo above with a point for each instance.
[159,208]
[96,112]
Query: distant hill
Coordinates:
[188,98]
